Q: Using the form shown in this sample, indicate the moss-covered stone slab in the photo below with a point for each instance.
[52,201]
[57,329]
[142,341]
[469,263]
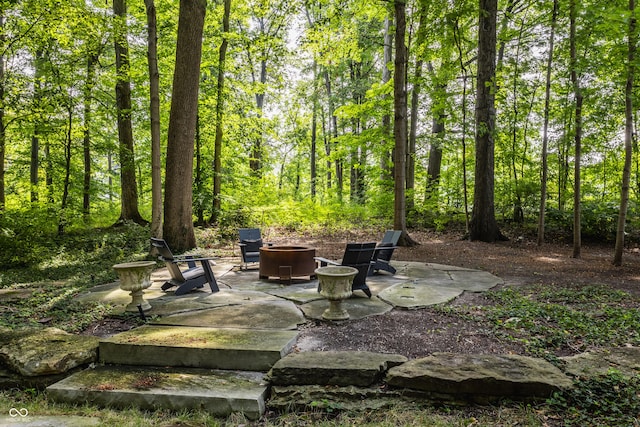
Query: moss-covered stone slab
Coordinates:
[322,398]
[418,294]
[216,348]
[485,375]
[218,392]
[625,360]
[341,368]
[48,351]
[278,314]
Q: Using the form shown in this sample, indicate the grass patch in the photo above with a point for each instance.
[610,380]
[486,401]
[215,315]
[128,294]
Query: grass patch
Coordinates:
[401,415]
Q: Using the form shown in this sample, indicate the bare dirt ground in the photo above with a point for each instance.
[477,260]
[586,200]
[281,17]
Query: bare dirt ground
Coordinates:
[520,262]
[418,333]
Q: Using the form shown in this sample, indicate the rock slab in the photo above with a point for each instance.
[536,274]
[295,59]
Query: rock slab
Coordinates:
[625,360]
[218,392]
[486,376]
[215,348]
[336,368]
[48,351]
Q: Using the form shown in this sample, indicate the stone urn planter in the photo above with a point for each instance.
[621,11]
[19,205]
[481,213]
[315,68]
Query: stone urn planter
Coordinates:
[135,277]
[335,285]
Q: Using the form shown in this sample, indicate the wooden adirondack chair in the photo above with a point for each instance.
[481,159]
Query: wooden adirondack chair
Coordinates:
[359,256]
[186,280]
[384,251]
[250,244]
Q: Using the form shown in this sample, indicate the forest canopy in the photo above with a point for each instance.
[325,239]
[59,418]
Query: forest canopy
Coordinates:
[295,112]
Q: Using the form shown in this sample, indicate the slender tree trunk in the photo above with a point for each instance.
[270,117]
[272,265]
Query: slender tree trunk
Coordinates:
[314,133]
[463,141]
[35,138]
[545,129]
[518,213]
[217,151]
[628,135]
[92,59]
[154,113]
[332,132]
[577,244]
[484,226]
[2,124]
[197,180]
[128,186]
[386,158]
[178,205]
[415,103]
[62,220]
[400,125]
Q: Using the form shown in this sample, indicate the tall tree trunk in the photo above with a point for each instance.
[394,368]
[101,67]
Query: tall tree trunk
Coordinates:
[198,183]
[577,244]
[545,129]
[628,135]
[35,138]
[92,59]
[217,151]
[386,159]
[518,212]
[2,124]
[400,125]
[314,133]
[62,220]
[437,130]
[463,140]
[178,223]
[332,132]
[128,186]
[413,133]
[154,114]
[413,120]
[483,225]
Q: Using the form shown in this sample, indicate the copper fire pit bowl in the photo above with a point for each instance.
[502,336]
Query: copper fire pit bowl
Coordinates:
[286,262]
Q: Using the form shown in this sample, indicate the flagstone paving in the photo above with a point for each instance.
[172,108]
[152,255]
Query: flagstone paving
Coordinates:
[198,350]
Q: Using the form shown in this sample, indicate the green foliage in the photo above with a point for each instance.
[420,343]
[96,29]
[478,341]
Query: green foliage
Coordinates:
[25,237]
[610,400]
[64,267]
[545,319]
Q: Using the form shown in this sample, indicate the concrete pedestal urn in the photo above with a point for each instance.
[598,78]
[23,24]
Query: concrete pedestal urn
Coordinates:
[135,277]
[335,285]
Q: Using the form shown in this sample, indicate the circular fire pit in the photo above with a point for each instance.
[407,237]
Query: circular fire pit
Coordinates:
[286,262]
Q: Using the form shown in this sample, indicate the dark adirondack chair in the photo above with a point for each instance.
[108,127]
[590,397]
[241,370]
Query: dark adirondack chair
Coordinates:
[359,256]
[186,280]
[384,251]
[250,244]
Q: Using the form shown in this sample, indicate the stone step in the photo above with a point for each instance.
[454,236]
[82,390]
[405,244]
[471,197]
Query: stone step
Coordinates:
[218,392]
[214,348]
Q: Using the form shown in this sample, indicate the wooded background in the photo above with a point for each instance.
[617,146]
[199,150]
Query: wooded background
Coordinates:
[298,117]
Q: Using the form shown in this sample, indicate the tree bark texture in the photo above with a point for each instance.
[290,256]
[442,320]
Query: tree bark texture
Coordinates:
[2,124]
[400,122]
[129,191]
[577,231]
[154,114]
[545,128]
[217,151]
[628,136]
[483,225]
[178,222]
[92,60]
